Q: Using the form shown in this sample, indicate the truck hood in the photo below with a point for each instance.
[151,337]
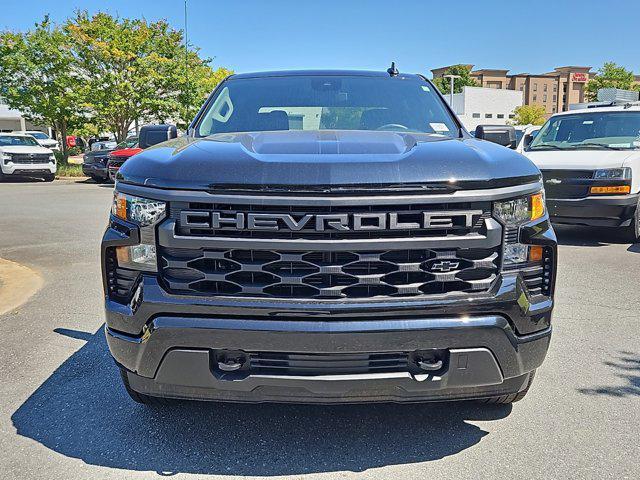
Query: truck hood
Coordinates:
[581,159]
[326,158]
[24,149]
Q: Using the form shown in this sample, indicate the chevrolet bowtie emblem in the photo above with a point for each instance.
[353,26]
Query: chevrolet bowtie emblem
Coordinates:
[444,266]
[553,181]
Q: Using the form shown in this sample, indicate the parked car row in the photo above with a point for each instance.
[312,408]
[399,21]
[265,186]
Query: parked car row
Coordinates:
[105,158]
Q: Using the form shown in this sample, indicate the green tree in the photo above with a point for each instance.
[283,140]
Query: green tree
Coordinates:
[37,77]
[465,80]
[611,75]
[529,115]
[137,70]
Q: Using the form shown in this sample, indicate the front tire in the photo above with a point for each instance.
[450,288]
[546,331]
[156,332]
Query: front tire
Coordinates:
[141,397]
[49,178]
[512,397]
[633,230]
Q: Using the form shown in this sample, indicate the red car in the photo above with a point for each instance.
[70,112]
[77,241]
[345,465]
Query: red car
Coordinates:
[118,157]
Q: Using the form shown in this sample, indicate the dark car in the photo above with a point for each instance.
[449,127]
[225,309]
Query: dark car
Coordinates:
[330,237]
[94,163]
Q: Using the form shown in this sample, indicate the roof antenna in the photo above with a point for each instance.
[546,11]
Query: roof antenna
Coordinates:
[392,70]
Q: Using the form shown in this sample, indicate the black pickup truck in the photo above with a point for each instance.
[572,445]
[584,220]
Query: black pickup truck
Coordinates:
[329,236]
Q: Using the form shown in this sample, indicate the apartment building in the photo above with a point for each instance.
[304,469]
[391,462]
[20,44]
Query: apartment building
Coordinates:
[555,90]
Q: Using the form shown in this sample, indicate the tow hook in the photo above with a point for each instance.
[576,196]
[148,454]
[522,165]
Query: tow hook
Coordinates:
[430,360]
[430,366]
[229,362]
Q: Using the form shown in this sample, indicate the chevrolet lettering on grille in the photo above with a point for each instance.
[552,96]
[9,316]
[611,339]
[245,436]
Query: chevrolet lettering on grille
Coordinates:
[195,219]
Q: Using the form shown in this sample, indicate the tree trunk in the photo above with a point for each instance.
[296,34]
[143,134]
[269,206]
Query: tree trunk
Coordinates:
[61,126]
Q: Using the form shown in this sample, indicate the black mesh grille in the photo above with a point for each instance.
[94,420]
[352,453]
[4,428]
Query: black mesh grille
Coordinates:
[560,184]
[322,274]
[266,363]
[26,159]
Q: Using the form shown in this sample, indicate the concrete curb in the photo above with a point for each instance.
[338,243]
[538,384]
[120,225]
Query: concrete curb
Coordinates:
[17,284]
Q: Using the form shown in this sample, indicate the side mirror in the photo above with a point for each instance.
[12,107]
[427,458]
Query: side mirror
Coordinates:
[504,135]
[153,134]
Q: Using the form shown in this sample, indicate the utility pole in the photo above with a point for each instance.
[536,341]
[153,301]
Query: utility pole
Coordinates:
[452,77]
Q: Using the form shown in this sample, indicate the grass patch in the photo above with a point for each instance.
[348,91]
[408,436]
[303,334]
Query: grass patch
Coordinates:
[69,171]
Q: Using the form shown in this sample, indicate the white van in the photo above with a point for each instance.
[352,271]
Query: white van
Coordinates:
[590,161]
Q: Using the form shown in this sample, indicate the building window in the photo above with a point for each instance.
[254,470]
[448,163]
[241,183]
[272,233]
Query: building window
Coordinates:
[488,115]
[553,109]
[475,115]
[555,87]
[535,87]
[500,115]
[545,87]
[544,97]
[555,98]
[512,115]
[535,98]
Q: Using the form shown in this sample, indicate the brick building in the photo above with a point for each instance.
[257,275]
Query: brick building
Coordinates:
[555,90]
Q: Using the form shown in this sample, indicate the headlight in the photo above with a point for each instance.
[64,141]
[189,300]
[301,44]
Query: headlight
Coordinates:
[137,257]
[520,210]
[142,211]
[623,173]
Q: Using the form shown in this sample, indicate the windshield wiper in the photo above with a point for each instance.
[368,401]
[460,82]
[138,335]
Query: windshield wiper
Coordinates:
[544,146]
[600,145]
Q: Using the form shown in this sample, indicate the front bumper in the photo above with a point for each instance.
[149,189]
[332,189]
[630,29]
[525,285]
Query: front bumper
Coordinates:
[29,169]
[485,358]
[98,170]
[596,211]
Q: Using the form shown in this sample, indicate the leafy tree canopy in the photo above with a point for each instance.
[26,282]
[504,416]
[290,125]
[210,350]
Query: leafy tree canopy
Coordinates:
[465,80]
[37,77]
[101,73]
[529,115]
[611,75]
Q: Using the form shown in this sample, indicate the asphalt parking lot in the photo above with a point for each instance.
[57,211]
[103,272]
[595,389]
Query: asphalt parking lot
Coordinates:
[64,413]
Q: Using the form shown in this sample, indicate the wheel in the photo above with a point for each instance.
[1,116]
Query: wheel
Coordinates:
[141,397]
[512,397]
[633,230]
[49,178]
[2,176]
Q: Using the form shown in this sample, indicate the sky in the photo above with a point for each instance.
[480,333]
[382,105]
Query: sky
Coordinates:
[254,35]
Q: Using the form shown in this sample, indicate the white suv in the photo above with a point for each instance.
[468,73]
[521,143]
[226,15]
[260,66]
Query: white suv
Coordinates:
[22,155]
[590,161]
[42,138]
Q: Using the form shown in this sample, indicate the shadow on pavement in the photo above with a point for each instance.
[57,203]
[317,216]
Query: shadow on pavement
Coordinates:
[591,236]
[82,411]
[627,367]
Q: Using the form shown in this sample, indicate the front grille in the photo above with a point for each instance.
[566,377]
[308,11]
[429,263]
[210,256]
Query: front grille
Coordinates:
[323,274]
[29,159]
[406,214]
[562,184]
[271,363]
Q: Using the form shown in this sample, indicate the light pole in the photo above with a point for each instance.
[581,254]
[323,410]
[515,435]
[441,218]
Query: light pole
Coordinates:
[452,77]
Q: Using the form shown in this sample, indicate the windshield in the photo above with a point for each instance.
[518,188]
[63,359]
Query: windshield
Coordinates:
[128,143]
[39,135]
[401,104]
[594,130]
[17,141]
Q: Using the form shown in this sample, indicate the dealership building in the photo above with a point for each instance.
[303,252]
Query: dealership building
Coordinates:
[555,90]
